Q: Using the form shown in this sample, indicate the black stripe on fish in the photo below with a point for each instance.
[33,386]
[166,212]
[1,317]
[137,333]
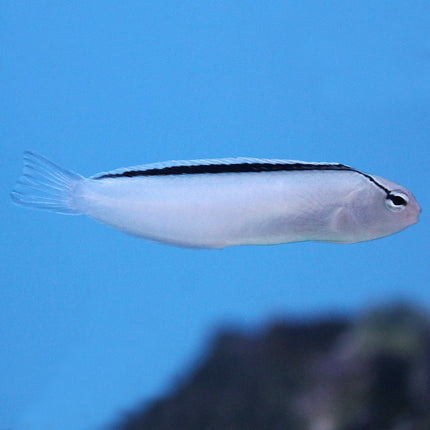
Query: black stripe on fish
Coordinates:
[195,169]
[252,167]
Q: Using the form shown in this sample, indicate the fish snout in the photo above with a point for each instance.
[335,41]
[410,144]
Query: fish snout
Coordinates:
[415,211]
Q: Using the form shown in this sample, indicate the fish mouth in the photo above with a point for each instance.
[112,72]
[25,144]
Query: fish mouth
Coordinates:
[417,214]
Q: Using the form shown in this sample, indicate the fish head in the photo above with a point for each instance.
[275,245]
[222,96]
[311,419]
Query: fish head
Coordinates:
[386,209]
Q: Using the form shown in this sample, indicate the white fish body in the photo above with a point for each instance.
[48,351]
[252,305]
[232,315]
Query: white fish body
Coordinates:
[226,202]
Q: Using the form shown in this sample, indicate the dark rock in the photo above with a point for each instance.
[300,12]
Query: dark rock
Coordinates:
[371,374]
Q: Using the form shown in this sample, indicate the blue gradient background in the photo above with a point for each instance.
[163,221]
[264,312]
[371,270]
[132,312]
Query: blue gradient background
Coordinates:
[93,322]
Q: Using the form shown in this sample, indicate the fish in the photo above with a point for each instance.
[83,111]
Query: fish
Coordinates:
[217,203]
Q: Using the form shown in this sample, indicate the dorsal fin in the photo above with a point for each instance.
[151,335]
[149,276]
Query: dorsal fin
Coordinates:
[216,166]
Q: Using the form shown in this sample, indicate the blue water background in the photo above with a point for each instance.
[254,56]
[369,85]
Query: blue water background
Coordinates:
[93,322]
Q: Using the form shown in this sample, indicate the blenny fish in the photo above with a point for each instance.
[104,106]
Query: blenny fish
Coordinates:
[225,202]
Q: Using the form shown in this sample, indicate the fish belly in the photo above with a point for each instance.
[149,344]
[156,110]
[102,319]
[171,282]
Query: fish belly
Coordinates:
[206,212]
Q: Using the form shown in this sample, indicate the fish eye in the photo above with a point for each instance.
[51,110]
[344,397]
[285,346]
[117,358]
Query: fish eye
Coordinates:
[396,201]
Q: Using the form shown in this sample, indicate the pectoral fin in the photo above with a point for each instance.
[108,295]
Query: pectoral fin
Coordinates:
[341,221]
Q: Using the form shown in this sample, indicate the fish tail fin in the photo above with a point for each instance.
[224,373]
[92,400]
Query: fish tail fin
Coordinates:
[44,185]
